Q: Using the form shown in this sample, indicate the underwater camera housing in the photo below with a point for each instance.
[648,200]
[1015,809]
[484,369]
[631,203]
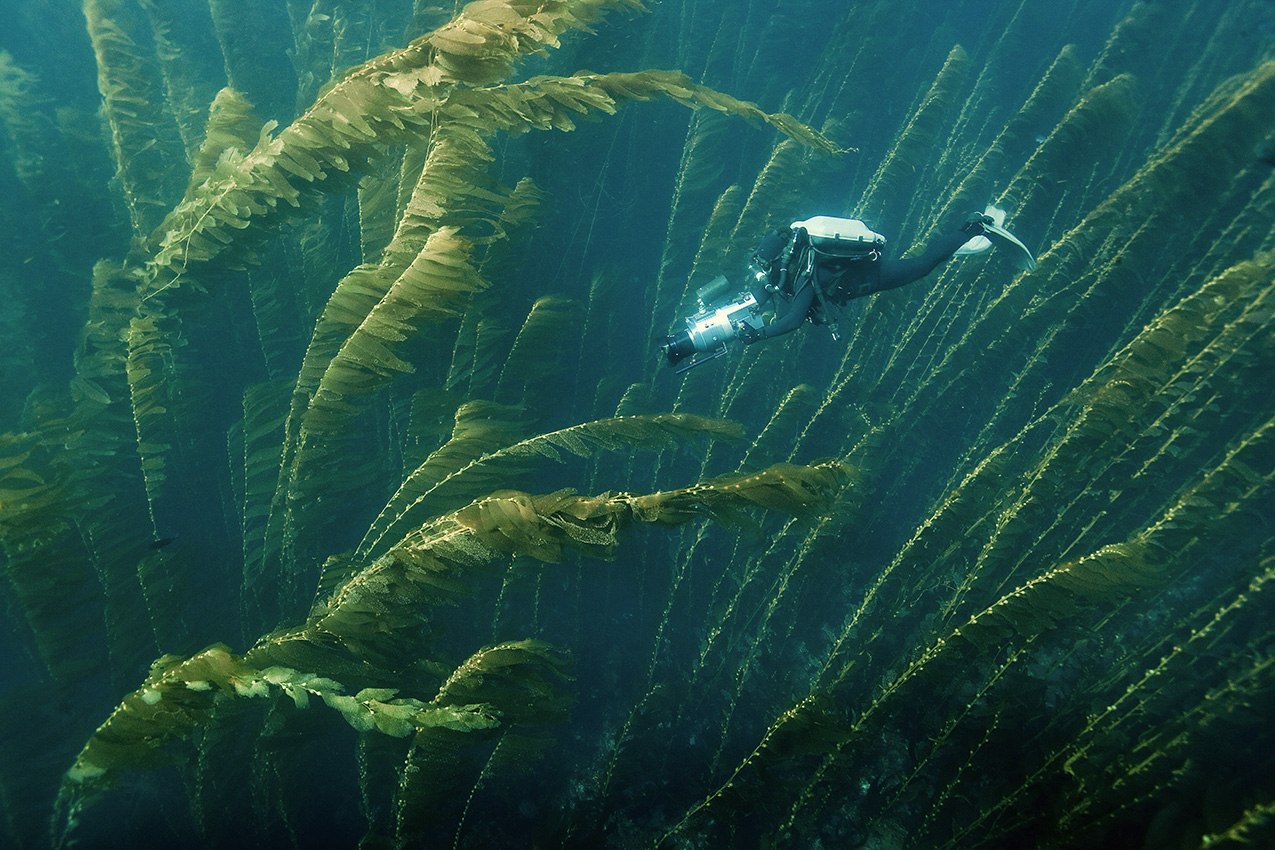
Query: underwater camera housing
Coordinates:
[721,316]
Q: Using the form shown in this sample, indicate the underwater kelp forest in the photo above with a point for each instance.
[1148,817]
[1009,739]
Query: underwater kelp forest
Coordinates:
[346,499]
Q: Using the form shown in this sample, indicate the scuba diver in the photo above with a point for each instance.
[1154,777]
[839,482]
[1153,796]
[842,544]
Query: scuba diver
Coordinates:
[816,266]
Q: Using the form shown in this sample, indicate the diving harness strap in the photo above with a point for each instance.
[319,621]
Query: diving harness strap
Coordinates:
[807,276]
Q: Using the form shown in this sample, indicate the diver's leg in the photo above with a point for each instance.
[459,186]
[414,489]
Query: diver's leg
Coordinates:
[896,273]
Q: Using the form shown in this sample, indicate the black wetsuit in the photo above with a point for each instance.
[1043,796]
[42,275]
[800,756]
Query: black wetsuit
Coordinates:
[857,279]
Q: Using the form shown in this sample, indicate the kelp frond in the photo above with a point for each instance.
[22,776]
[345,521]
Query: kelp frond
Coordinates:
[428,289]
[375,620]
[434,487]
[143,132]
[1203,516]
[481,44]
[402,97]
[498,687]
[892,186]
[1083,562]
[481,427]
[539,356]
[452,173]
[526,681]
[231,125]
[427,567]
[549,102]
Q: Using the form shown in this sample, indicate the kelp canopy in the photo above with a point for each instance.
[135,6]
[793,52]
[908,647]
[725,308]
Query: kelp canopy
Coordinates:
[337,439]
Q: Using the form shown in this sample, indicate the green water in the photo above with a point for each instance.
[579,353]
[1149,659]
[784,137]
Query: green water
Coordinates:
[346,499]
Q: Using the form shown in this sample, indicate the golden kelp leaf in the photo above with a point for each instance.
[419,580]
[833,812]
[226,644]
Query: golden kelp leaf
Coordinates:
[480,428]
[231,125]
[165,707]
[430,565]
[509,523]
[464,40]
[83,388]
[432,488]
[427,290]
[144,133]
[522,682]
[14,459]
[505,675]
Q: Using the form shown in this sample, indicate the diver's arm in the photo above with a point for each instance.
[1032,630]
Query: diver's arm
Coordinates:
[798,308]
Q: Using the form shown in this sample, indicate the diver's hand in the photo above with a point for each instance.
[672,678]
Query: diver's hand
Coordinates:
[747,332]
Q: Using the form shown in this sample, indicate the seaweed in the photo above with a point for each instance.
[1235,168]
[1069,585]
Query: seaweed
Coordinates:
[295,548]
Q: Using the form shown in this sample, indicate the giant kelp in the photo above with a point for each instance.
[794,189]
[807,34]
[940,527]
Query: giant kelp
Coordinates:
[361,309]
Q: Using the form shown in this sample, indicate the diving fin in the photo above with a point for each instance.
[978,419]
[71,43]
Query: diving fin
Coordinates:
[981,244]
[1002,237]
[996,233]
